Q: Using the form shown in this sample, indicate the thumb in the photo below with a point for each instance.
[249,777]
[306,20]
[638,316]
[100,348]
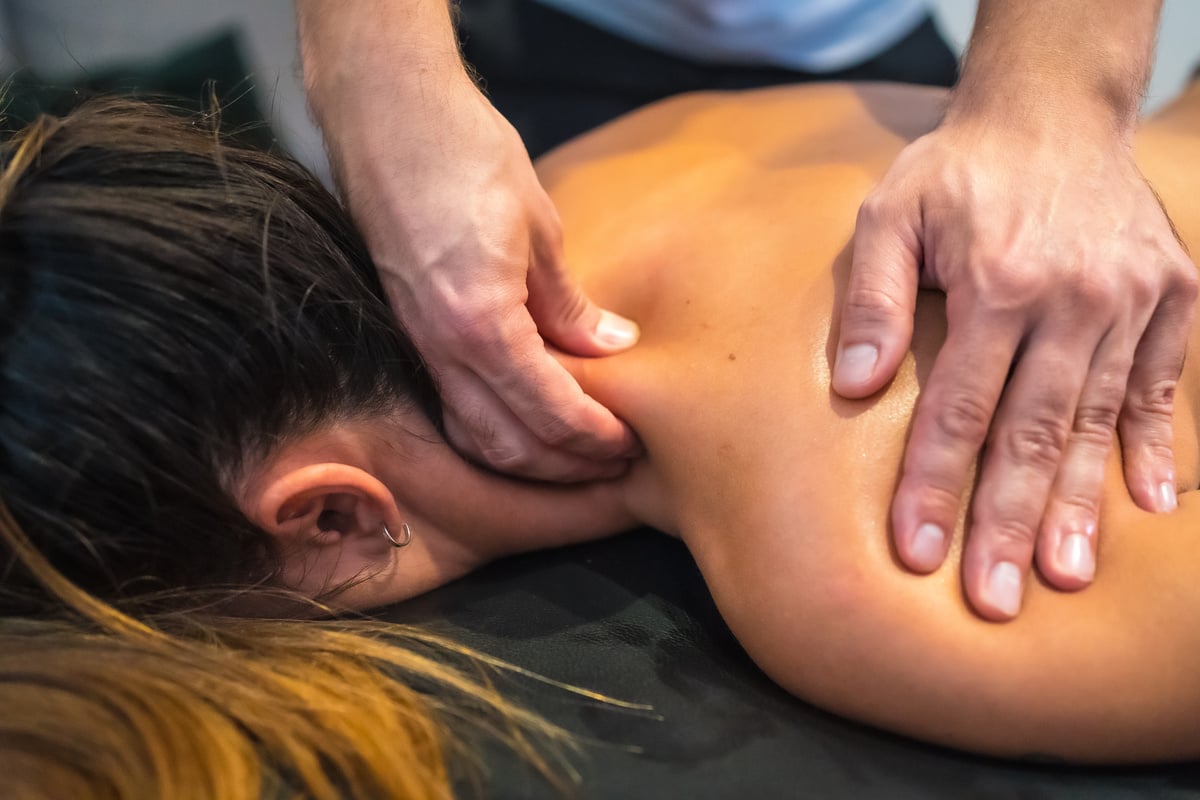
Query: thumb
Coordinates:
[875,329]
[567,318]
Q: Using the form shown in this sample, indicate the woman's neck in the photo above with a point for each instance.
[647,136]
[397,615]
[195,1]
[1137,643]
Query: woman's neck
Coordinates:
[494,516]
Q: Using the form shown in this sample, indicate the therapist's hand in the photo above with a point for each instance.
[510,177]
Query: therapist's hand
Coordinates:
[1068,301]
[469,248]
[467,243]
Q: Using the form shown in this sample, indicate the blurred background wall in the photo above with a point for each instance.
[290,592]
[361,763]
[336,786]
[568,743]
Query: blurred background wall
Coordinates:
[66,41]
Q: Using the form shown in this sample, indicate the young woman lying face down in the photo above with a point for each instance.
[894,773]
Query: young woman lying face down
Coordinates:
[202,387]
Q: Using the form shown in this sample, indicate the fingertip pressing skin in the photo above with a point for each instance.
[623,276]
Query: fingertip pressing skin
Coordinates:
[923,549]
[1151,486]
[873,343]
[1066,552]
[615,333]
[993,578]
[870,353]
[1075,558]
[999,597]
[1066,545]
[921,543]
[854,369]
[922,518]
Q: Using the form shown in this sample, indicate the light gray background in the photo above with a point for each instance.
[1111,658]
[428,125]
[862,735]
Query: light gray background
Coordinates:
[60,37]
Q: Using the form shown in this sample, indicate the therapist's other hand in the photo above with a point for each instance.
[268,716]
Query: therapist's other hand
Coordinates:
[1068,301]
[469,248]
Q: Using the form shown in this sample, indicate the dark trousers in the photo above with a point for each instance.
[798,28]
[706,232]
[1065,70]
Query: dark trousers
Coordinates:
[554,76]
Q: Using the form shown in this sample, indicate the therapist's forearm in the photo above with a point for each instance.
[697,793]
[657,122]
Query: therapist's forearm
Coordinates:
[358,54]
[1064,62]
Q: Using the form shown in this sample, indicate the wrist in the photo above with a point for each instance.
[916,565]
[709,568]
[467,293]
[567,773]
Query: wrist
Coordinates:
[1047,64]
[1035,110]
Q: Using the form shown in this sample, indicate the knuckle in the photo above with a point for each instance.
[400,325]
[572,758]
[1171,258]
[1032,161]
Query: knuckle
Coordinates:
[1142,290]
[1083,501]
[1185,286]
[1099,409]
[549,233]
[574,307]
[459,312]
[560,433]
[872,304]
[1094,424]
[873,209]
[937,501]
[1001,293]
[1012,287]
[516,462]
[559,424]
[474,431]
[1039,442]
[1180,290]
[963,417]
[565,426]
[1155,401]
[506,455]
[554,231]
[1094,292]
[1013,533]
[1154,451]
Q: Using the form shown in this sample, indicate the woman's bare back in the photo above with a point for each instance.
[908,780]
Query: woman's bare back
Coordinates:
[722,223]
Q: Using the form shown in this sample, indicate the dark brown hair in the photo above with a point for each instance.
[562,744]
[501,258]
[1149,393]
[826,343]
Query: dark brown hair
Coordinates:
[171,309]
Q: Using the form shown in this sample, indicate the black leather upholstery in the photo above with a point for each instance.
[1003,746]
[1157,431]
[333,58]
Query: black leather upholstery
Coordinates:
[631,618]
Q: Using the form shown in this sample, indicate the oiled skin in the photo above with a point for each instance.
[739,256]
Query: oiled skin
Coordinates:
[721,223]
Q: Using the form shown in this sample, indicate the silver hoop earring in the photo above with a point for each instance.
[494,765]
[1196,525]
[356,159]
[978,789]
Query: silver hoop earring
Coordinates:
[405,535]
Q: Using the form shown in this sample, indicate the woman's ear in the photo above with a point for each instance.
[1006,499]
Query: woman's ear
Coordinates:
[323,505]
[327,519]
[328,522]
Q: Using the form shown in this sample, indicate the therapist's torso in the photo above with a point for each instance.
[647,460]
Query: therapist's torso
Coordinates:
[809,35]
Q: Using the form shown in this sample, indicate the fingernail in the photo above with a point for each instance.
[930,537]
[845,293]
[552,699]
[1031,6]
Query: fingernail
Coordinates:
[928,547]
[1167,501]
[616,331]
[1004,588]
[856,363]
[1075,556]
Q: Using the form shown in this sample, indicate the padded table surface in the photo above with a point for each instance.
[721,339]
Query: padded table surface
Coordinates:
[631,618]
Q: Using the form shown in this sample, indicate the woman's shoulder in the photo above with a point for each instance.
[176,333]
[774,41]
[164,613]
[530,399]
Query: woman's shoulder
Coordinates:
[755,120]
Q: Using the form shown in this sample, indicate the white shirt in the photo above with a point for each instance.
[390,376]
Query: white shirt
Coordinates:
[810,35]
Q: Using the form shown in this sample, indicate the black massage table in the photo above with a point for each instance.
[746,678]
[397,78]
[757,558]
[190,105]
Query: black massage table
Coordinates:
[631,618]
